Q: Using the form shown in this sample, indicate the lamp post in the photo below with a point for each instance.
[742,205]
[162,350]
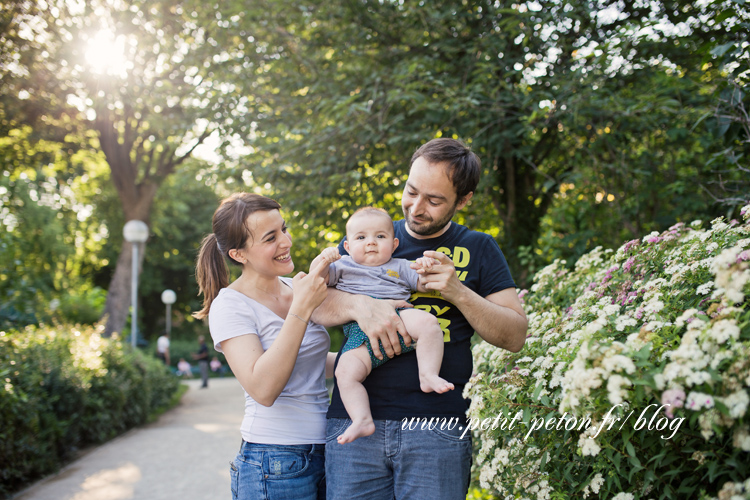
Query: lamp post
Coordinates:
[168,297]
[135,232]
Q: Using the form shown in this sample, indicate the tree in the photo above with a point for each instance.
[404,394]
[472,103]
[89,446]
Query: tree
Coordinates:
[144,76]
[350,89]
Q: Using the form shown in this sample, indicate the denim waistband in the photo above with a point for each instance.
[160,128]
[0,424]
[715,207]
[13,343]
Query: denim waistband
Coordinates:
[313,449]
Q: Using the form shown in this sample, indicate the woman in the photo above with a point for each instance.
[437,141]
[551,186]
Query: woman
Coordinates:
[279,357]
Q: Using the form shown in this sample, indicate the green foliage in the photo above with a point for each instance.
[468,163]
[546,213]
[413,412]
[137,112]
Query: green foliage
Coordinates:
[180,219]
[48,236]
[633,383]
[83,306]
[64,388]
[347,90]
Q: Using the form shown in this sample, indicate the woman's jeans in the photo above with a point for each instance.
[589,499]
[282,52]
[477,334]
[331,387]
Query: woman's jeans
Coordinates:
[279,472]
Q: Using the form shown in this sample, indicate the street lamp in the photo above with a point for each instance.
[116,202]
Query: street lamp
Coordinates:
[135,232]
[168,297]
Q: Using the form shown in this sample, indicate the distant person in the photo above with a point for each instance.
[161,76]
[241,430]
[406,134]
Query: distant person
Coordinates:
[162,348]
[261,322]
[216,366]
[370,269]
[184,369]
[202,357]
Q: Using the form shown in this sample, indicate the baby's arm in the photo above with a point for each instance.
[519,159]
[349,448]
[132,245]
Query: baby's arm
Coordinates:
[329,255]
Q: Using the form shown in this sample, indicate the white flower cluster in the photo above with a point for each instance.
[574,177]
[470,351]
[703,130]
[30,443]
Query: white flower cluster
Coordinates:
[623,496]
[624,323]
[494,460]
[592,259]
[731,275]
[734,491]
[594,485]
[593,364]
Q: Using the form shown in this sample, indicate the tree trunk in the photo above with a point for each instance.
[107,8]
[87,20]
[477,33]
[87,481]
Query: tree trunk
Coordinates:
[117,308]
[118,295]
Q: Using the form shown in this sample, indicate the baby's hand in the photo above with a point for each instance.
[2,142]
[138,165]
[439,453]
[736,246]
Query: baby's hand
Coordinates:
[424,264]
[330,255]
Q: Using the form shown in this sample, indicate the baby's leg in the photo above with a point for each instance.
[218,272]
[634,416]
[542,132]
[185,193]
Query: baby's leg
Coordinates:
[352,369]
[423,327]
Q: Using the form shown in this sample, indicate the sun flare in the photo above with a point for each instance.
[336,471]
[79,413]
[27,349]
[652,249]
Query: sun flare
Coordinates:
[105,54]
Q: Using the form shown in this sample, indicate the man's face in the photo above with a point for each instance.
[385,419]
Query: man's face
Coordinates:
[429,200]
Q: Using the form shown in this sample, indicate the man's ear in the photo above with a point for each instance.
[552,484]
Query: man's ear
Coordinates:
[395,244]
[346,245]
[464,201]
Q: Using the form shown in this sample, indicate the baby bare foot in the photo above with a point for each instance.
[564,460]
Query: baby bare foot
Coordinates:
[433,383]
[357,430]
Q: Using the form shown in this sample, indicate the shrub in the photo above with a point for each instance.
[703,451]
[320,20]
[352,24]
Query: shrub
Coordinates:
[64,388]
[83,305]
[633,383]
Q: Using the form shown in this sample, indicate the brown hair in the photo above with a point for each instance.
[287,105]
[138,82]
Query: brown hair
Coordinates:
[463,165]
[369,210]
[230,232]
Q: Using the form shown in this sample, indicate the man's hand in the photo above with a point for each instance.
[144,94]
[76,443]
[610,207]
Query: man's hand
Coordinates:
[380,322]
[437,272]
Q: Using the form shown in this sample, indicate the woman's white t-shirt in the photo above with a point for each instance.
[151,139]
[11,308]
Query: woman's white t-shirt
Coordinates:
[298,416]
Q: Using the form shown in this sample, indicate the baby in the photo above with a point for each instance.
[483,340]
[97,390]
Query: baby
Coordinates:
[370,270]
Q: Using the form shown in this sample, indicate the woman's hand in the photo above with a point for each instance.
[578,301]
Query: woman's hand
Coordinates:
[309,289]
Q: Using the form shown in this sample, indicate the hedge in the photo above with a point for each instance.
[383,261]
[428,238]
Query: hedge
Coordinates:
[634,382]
[63,388]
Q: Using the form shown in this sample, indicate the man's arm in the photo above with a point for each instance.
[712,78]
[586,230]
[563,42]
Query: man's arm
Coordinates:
[498,318]
[377,318]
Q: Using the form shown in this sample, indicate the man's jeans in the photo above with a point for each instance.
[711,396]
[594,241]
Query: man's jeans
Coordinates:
[279,472]
[429,464]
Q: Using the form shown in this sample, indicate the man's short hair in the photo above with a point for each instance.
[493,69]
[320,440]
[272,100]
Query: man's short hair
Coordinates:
[462,164]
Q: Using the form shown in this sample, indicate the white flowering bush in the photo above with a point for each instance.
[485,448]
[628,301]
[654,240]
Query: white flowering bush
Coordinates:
[634,382]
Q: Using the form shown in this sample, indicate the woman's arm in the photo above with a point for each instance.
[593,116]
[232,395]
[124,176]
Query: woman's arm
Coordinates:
[264,374]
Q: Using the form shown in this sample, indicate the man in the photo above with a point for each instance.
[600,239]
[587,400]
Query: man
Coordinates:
[162,348]
[472,290]
[202,357]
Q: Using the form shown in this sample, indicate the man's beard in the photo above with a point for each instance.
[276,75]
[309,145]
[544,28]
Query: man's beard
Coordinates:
[429,227]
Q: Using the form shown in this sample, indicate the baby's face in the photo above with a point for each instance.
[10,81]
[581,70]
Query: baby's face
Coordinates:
[370,240]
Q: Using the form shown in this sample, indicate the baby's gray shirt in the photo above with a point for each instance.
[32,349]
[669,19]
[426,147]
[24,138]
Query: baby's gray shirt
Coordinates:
[392,280]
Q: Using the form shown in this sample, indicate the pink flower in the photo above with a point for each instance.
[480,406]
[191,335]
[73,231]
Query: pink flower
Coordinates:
[743,256]
[630,244]
[672,398]
[628,265]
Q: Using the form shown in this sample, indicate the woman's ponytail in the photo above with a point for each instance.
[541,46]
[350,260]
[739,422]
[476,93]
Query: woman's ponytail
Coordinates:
[211,273]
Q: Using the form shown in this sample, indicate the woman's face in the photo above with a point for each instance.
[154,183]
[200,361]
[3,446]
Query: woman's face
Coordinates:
[267,251]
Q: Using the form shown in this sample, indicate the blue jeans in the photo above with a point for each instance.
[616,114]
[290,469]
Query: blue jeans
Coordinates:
[396,463]
[279,472]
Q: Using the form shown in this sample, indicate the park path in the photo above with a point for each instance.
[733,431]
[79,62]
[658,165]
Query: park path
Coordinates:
[182,456]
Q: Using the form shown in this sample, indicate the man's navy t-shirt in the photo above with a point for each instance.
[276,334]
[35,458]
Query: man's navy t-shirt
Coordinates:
[393,388]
